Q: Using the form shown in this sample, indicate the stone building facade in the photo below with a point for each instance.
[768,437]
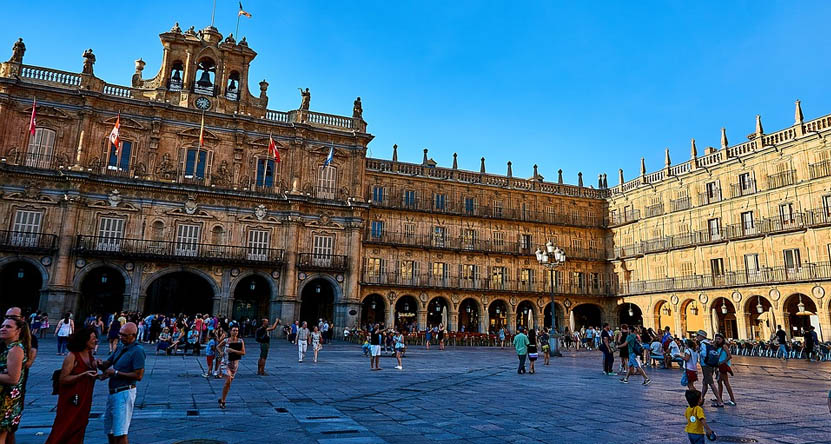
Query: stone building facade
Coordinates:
[193,214]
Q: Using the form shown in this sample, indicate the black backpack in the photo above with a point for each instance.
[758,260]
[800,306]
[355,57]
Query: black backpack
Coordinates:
[711,355]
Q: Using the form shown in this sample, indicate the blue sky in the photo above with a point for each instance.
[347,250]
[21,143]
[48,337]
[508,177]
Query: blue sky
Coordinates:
[582,86]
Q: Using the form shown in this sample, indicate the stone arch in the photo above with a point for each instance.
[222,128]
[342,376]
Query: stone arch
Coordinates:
[664,315]
[335,285]
[586,314]
[623,309]
[760,326]
[374,314]
[405,310]
[560,312]
[797,321]
[161,273]
[529,319]
[44,274]
[85,303]
[26,290]
[724,317]
[499,311]
[469,319]
[435,317]
[258,306]
[693,316]
[90,266]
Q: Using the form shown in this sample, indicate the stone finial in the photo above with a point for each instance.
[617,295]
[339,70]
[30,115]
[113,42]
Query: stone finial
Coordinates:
[667,162]
[600,181]
[693,149]
[579,179]
[263,89]
[395,152]
[455,163]
[140,65]
[759,130]
[620,176]
[536,172]
[424,160]
[482,166]
[510,172]
[643,166]
[723,138]
[560,176]
[89,61]
[797,114]
[605,182]
[18,49]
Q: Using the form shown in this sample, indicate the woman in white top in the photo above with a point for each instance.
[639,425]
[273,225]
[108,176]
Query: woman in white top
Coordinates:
[398,339]
[691,363]
[316,342]
[66,327]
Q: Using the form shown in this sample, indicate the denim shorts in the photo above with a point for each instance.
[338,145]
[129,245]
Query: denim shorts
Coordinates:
[119,412]
[696,438]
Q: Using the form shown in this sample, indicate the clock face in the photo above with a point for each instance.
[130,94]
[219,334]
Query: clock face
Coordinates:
[202,103]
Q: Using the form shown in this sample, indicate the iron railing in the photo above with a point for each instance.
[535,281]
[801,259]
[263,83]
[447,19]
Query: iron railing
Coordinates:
[426,280]
[179,251]
[29,242]
[322,262]
[781,179]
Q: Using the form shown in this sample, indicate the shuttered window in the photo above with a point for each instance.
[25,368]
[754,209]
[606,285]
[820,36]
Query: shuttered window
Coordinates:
[187,240]
[258,241]
[26,228]
[110,233]
[41,148]
[322,250]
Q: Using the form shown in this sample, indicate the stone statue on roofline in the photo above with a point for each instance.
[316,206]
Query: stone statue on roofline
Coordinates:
[357,109]
[305,98]
[17,51]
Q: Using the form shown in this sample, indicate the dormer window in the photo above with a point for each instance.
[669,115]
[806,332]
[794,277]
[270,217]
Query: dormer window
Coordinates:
[176,76]
[205,75]
[232,89]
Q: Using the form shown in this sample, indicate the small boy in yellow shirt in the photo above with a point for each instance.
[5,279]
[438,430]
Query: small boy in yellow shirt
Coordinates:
[696,422]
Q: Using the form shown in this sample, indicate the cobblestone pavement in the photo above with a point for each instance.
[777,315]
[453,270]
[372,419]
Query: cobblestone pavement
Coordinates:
[459,395]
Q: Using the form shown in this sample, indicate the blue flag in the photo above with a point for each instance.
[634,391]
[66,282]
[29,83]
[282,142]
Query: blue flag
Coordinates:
[329,157]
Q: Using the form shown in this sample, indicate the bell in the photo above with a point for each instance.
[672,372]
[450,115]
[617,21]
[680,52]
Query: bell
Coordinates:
[177,75]
[232,86]
[205,80]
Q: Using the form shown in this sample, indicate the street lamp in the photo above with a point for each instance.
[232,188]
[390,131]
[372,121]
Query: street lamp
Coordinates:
[759,308]
[104,278]
[631,312]
[724,307]
[253,285]
[551,256]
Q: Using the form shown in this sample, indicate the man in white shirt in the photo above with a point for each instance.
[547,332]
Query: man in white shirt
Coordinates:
[302,341]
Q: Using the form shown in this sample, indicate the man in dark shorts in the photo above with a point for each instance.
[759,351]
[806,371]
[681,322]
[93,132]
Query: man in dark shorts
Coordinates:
[708,367]
[263,337]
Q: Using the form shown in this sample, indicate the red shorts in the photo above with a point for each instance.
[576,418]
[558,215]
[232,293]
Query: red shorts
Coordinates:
[692,375]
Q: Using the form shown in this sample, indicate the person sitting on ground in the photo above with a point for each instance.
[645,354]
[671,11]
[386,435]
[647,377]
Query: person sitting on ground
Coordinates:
[673,353]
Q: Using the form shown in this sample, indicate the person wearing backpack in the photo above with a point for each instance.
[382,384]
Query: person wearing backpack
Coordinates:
[635,350]
[710,355]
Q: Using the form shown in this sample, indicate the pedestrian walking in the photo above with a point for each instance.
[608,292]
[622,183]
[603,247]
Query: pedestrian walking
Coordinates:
[428,336]
[12,362]
[375,339]
[293,334]
[623,349]
[501,337]
[399,348]
[124,368]
[606,346]
[691,363]
[210,355]
[521,346]
[302,341]
[221,345]
[263,337]
[77,381]
[546,347]
[532,350]
[696,421]
[809,341]
[235,350]
[317,342]
[442,333]
[725,369]
[635,350]
[709,359]
[65,328]
[782,338]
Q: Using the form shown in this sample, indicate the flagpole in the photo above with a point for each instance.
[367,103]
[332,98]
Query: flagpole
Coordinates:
[213,13]
[236,32]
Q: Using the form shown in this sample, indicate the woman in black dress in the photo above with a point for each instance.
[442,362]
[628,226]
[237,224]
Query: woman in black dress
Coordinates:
[234,350]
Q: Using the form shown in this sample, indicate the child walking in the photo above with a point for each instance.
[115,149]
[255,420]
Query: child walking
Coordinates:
[696,421]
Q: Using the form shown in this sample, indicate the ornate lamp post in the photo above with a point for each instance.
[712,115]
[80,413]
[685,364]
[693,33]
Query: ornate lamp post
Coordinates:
[551,256]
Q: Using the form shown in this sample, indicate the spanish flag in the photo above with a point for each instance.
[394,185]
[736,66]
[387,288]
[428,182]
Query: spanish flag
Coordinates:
[272,149]
[242,11]
[202,131]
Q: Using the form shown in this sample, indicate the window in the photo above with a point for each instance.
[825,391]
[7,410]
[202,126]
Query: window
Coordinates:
[409,198]
[41,148]
[826,206]
[326,182]
[498,238]
[440,201]
[187,240]
[497,208]
[439,236]
[747,223]
[195,164]
[110,233]
[469,275]
[525,241]
[792,260]
[469,238]
[378,194]
[595,281]
[713,192]
[526,278]
[377,229]
[524,211]
[717,267]
[551,212]
[266,169]
[408,270]
[258,243]
[576,243]
[440,272]
[578,279]
[687,269]
[322,247]
[409,230]
[714,228]
[375,267]
[745,184]
[498,278]
[786,213]
[751,266]
[119,160]
[26,228]
[469,205]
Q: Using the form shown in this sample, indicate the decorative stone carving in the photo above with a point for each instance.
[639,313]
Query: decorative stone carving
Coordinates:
[674,299]
[222,176]
[95,163]
[89,61]
[391,297]
[423,297]
[31,191]
[774,294]
[176,28]
[260,211]
[18,49]
[357,109]
[114,198]
[513,300]
[190,205]
[818,292]
[305,98]
[141,169]
[166,169]
[737,297]
[702,298]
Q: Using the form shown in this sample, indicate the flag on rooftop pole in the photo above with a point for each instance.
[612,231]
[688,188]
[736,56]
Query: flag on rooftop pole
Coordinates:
[329,157]
[272,149]
[202,131]
[242,11]
[33,122]
[114,136]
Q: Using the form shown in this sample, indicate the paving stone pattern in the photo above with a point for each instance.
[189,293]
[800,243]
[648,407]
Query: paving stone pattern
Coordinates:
[460,395]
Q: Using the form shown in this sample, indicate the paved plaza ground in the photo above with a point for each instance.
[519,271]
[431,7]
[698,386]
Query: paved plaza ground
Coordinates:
[460,395]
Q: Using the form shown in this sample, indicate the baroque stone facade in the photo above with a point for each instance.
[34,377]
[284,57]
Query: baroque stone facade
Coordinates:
[193,214]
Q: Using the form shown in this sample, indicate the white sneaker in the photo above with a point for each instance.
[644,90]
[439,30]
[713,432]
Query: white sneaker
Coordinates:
[399,367]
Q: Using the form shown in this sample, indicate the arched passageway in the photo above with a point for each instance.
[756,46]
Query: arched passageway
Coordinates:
[558,310]
[373,310]
[629,314]
[587,315]
[179,292]
[437,313]
[498,315]
[20,285]
[251,298]
[469,315]
[525,315]
[760,320]
[406,308]
[800,314]
[723,314]
[693,318]
[102,293]
[664,317]
[317,301]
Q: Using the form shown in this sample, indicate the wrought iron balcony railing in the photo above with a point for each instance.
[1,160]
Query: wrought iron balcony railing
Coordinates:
[322,262]
[426,280]
[175,251]
[29,242]
[781,179]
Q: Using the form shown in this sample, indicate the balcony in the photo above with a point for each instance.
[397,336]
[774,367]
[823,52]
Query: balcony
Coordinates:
[402,201]
[322,262]
[426,280]
[682,203]
[329,193]
[19,241]
[709,197]
[655,210]
[34,160]
[624,217]
[96,246]
[743,188]
[806,272]
[820,169]
[782,179]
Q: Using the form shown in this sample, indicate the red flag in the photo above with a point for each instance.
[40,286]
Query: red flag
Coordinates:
[272,149]
[114,139]
[33,123]
[242,11]
[202,131]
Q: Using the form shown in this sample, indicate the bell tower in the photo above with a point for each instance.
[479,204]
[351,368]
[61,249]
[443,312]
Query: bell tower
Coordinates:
[203,71]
